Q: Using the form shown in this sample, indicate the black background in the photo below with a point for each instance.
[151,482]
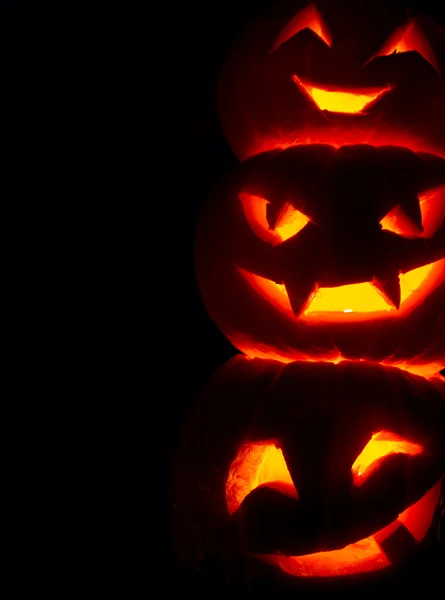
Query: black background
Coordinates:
[157,149]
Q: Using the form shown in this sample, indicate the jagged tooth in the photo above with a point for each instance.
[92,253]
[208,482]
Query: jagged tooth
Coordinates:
[411,207]
[390,289]
[300,291]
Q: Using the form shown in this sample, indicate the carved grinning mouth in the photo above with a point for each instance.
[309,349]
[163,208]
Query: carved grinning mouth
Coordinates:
[355,302]
[409,37]
[364,555]
[340,100]
[262,464]
[347,283]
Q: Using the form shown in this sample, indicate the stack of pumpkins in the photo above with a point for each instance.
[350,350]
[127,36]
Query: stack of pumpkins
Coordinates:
[320,451]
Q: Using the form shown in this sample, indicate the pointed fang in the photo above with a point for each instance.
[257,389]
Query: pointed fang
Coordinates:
[300,296]
[411,207]
[390,290]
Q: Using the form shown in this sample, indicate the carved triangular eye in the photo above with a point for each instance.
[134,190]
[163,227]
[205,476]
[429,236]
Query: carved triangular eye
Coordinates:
[380,446]
[308,18]
[272,223]
[419,218]
[408,38]
[398,222]
[257,464]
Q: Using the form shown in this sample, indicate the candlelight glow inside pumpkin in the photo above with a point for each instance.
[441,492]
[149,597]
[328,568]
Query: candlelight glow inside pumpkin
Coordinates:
[365,555]
[318,470]
[263,464]
[357,301]
[335,72]
[381,445]
[308,18]
[407,38]
[323,253]
[337,100]
[354,301]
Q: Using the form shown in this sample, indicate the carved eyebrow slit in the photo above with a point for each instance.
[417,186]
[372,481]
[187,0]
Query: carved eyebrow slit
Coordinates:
[408,38]
[308,18]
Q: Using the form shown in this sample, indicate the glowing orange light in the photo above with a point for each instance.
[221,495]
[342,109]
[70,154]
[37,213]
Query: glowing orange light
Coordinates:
[262,463]
[411,281]
[364,555]
[257,464]
[334,100]
[360,557]
[308,18]
[432,208]
[337,136]
[418,517]
[290,222]
[358,301]
[381,445]
[398,222]
[409,38]
[348,299]
[275,293]
[417,366]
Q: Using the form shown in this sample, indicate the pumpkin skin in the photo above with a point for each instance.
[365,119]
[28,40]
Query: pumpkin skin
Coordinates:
[261,293]
[320,416]
[376,50]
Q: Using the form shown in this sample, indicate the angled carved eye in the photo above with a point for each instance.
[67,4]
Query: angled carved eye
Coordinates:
[420,218]
[408,38]
[398,222]
[274,229]
[257,464]
[380,446]
[308,18]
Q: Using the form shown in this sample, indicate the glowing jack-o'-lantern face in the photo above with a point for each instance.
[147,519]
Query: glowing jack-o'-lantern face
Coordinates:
[318,470]
[335,72]
[313,252]
[262,465]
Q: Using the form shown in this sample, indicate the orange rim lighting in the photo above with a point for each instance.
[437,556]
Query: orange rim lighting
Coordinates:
[340,101]
[308,18]
[262,463]
[255,465]
[416,366]
[355,302]
[365,555]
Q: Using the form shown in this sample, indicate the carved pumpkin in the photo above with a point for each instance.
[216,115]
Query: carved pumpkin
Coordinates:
[320,253]
[311,469]
[337,72]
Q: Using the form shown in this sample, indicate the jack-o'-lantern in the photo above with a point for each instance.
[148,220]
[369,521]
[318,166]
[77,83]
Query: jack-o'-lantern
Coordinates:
[310,470]
[318,253]
[337,72]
